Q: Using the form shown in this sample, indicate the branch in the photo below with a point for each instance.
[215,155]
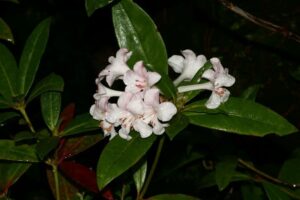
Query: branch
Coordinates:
[268,177]
[261,22]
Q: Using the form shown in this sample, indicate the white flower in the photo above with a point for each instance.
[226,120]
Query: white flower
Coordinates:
[105,91]
[154,112]
[139,78]
[188,65]
[99,109]
[218,79]
[117,67]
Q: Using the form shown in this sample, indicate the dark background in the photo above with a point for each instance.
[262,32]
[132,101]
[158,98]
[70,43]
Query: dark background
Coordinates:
[79,46]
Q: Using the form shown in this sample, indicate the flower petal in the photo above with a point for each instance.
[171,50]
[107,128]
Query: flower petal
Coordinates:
[143,128]
[151,97]
[165,111]
[153,77]
[176,62]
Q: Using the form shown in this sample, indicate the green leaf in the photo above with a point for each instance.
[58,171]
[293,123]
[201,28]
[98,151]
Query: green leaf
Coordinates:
[8,73]
[177,124]
[80,124]
[10,173]
[31,56]
[92,5]
[52,82]
[45,146]
[225,169]
[12,1]
[172,197]
[251,191]
[119,155]
[23,153]
[139,176]
[274,192]
[239,116]
[50,106]
[7,115]
[136,31]
[24,135]
[4,103]
[251,92]
[5,32]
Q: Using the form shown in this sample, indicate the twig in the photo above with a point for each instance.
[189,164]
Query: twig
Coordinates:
[261,22]
[267,176]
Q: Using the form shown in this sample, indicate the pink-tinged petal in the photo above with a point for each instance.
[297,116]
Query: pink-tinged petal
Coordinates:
[123,54]
[153,77]
[214,101]
[105,91]
[123,133]
[224,79]
[151,97]
[223,93]
[96,113]
[165,111]
[218,67]
[144,129]
[176,62]
[115,114]
[108,129]
[209,74]
[140,69]
[124,99]
[201,59]
[136,105]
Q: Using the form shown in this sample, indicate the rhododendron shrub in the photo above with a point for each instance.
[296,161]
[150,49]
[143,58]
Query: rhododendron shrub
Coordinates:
[143,97]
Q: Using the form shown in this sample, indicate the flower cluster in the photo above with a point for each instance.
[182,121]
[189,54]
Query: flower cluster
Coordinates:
[138,107]
[217,77]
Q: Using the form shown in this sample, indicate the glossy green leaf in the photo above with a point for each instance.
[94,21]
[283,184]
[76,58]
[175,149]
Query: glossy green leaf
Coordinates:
[119,155]
[239,116]
[50,106]
[4,103]
[8,73]
[7,115]
[92,5]
[5,32]
[274,192]
[10,173]
[45,146]
[289,172]
[225,169]
[139,176]
[31,56]
[136,31]
[176,125]
[173,197]
[52,82]
[251,92]
[251,191]
[23,153]
[81,123]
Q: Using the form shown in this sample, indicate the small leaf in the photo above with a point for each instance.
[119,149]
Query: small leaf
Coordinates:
[225,170]
[12,152]
[5,32]
[173,197]
[50,106]
[4,103]
[239,116]
[52,82]
[251,92]
[8,73]
[31,56]
[10,173]
[136,31]
[139,176]
[274,192]
[80,124]
[80,174]
[119,155]
[45,146]
[177,124]
[7,115]
[92,5]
